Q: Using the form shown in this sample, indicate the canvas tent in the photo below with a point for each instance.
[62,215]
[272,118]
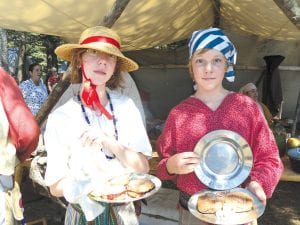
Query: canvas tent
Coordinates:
[147,23]
[144,24]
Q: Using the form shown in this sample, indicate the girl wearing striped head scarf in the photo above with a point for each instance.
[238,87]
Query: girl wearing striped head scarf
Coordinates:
[212,107]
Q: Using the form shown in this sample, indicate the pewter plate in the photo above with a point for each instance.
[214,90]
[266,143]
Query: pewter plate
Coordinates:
[155,180]
[225,159]
[228,218]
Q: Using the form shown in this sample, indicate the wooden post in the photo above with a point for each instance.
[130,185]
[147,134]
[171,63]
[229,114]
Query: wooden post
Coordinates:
[291,9]
[111,17]
[217,12]
[54,96]
[297,113]
[108,21]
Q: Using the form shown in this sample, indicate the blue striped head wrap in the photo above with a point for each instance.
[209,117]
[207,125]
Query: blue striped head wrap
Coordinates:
[214,38]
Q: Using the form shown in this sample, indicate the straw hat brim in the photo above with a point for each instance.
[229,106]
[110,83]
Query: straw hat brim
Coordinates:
[65,52]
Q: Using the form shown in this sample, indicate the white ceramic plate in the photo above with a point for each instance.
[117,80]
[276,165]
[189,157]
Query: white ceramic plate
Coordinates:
[155,180]
[232,218]
[225,159]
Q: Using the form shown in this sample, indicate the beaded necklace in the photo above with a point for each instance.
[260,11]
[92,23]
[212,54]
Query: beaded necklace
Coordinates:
[113,119]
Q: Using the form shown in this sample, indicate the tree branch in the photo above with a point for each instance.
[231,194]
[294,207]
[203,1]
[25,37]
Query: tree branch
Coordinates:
[291,9]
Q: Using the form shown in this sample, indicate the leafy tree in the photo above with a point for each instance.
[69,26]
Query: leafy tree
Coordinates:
[25,48]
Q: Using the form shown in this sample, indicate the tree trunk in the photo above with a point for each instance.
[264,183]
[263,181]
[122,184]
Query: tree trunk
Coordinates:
[108,21]
[3,49]
[50,44]
[21,57]
[57,92]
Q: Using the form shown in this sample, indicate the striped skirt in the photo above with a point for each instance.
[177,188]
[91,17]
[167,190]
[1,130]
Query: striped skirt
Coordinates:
[113,215]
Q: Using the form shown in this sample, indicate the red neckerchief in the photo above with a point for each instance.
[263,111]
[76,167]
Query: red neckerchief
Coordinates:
[90,96]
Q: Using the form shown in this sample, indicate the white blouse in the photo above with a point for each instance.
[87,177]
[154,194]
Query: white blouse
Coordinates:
[67,123]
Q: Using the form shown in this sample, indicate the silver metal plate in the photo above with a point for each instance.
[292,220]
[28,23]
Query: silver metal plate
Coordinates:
[155,180]
[231,218]
[225,159]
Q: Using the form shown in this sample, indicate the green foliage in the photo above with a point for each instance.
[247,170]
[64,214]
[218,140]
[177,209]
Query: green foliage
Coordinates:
[38,47]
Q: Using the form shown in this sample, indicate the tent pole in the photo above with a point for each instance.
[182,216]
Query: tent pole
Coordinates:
[113,15]
[297,113]
[291,9]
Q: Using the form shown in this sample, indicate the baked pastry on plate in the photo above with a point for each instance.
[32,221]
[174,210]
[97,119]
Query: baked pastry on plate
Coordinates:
[222,201]
[138,187]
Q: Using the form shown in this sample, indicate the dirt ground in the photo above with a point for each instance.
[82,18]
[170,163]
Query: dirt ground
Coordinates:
[282,209]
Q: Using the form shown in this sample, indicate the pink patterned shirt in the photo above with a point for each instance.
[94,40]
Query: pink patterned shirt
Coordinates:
[192,119]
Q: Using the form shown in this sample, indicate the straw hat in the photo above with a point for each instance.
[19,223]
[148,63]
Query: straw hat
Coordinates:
[98,38]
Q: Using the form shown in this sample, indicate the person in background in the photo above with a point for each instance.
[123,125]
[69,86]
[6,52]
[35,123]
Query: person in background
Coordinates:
[278,129]
[98,133]
[53,79]
[250,90]
[34,90]
[212,107]
[19,135]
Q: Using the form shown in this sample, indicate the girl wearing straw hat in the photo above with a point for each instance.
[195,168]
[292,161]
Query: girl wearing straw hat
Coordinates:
[211,108]
[97,134]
